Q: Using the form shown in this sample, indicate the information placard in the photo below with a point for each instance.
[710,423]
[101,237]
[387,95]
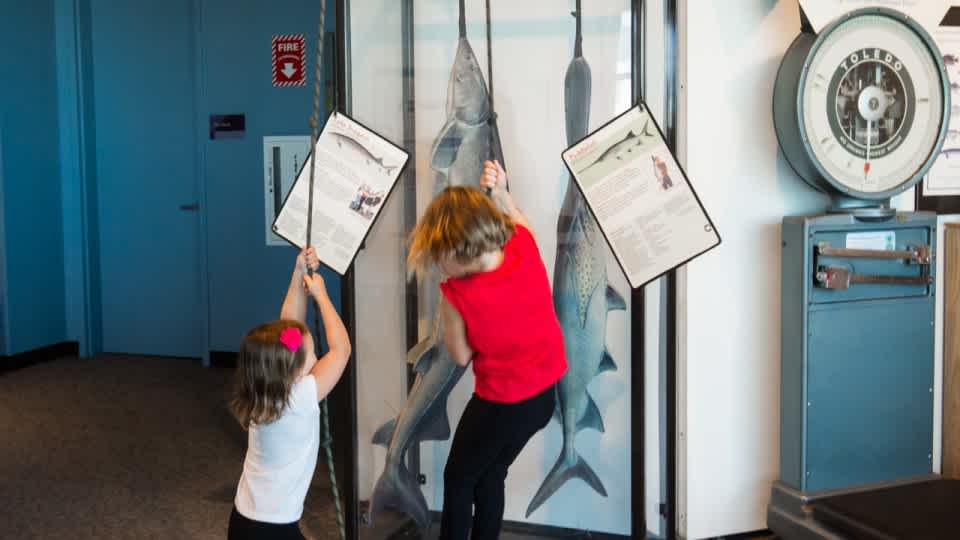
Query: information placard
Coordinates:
[356,170]
[640,197]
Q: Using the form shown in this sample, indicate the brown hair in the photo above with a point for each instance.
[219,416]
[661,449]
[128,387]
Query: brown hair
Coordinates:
[266,370]
[460,220]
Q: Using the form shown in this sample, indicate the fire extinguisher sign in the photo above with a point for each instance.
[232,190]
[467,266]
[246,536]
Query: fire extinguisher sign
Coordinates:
[289,60]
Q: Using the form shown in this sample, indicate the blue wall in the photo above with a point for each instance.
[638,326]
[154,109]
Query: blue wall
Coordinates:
[32,212]
[248,278]
[49,249]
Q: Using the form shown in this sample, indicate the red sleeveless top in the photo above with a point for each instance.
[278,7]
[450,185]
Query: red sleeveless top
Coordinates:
[511,323]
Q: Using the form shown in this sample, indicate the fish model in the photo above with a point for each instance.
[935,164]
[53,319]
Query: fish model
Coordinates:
[344,141]
[468,137]
[423,418]
[623,147]
[582,298]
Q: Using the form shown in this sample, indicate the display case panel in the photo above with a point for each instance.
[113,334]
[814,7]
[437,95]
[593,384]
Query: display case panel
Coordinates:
[420,73]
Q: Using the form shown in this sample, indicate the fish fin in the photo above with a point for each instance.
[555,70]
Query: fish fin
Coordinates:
[398,489]
[615,302]
[385,433]
[436,425]
[591,417]
[606,363]
[447,145]
[422,354]
[564,470]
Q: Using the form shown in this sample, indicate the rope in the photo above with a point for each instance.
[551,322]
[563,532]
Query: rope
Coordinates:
[490,70]
[327,440]
[492,118]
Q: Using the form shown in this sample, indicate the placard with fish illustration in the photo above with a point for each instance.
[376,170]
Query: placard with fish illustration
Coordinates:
[640,197]
[356,171]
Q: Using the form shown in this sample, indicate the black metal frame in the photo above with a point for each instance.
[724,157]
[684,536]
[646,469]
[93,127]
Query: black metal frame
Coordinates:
[669,322]
[343,398]
[638,487]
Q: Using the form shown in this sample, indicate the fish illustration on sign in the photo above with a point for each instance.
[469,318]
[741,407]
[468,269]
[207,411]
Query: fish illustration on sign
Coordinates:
[469,136]
[582,298]
[345,141]
[623,147]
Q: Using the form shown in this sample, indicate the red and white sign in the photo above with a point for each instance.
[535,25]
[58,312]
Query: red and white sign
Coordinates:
[289,60]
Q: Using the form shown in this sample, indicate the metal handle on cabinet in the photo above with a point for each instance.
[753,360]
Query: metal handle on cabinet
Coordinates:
[193,207]
[918,254]
[838,277]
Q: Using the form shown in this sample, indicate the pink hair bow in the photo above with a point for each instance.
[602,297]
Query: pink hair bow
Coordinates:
[291,337]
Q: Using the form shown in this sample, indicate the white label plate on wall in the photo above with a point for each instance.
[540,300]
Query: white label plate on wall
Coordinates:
[283,157]
[878,240]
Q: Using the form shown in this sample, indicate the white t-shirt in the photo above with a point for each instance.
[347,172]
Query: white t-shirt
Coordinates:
[281,458]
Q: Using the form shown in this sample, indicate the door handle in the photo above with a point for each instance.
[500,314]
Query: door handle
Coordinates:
[193,207]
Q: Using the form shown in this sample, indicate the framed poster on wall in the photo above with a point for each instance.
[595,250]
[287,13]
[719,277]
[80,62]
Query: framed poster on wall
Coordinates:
[940,189]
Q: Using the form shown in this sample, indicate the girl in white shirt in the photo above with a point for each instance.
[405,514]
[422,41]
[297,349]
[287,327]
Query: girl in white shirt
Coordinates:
[279,383]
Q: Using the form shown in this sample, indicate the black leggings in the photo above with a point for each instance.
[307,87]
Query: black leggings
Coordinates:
[243,528]
[489,438]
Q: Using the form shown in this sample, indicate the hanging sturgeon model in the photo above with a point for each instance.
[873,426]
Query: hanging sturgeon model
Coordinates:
[468,137]
[582,298]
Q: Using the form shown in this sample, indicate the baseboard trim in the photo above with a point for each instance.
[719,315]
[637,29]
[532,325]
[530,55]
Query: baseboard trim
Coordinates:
[223,359]
[549,531]
[38,356]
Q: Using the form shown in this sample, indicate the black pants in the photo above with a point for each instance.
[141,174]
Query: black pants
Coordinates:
[243,528]
[489,438]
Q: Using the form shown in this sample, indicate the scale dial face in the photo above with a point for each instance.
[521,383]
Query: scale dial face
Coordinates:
[872,104]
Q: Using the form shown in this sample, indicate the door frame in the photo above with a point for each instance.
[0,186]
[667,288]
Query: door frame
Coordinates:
[74,30]
[200,187]
[4,322]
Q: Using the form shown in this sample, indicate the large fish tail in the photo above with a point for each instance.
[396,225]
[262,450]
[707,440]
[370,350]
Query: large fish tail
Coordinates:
[398,489]
[569,465]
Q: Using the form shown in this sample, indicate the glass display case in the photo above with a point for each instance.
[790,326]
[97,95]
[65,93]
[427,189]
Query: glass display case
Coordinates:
[455,83]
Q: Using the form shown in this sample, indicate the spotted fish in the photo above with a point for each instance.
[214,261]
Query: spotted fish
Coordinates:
[582,298]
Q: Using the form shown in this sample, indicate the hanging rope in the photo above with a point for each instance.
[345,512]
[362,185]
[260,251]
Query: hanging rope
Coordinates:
[492,117]
[327,440]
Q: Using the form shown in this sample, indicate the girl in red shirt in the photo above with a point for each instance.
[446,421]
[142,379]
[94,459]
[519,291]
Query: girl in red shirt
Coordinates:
[498,315]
